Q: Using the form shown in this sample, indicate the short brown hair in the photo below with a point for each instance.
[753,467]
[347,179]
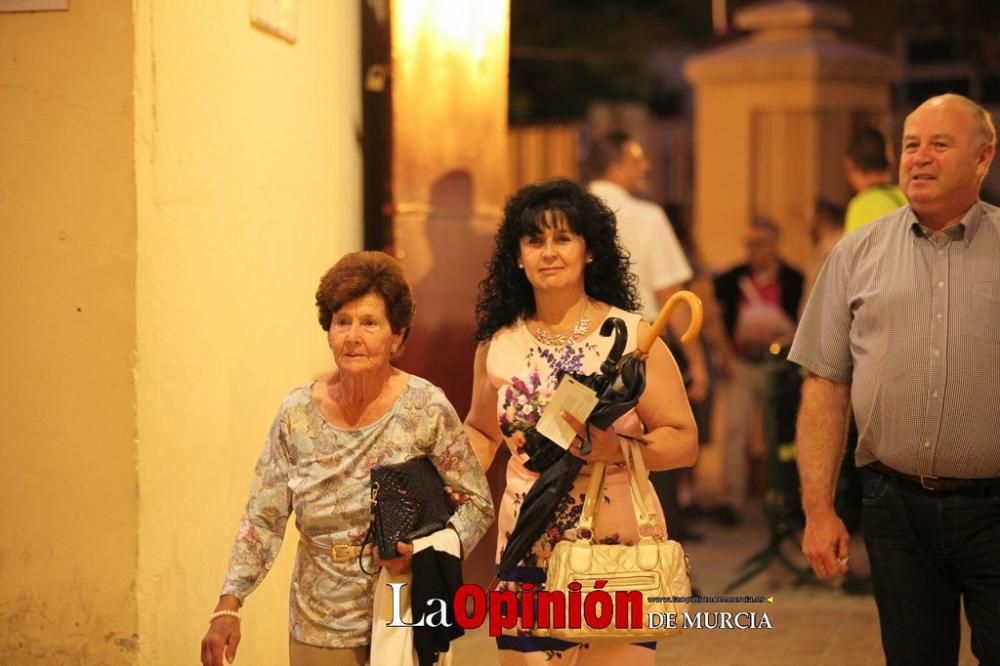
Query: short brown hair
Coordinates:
[765,224]
[608,150]
[868,150]
[361,273]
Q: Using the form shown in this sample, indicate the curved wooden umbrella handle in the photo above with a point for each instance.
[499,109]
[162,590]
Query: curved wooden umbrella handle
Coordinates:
[693,329]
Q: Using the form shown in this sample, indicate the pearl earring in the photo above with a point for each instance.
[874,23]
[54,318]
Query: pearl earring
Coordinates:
[520,265]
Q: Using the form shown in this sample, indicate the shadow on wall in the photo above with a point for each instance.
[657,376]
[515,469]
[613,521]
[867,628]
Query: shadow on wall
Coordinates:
[441,347]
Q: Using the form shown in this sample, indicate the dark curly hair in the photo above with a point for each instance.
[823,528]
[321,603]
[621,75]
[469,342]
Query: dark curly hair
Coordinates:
[360,273]
[506,295]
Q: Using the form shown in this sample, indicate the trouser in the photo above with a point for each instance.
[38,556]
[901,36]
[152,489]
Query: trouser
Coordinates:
[303,654]
[929,552]
[749,389]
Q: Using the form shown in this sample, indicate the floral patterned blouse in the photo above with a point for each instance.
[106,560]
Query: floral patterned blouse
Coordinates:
[321,473]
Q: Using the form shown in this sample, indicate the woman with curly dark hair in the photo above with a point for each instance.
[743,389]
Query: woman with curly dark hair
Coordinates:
[557,272]
[506,294]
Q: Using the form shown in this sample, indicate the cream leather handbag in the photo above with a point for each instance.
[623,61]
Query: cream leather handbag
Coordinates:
[656,568]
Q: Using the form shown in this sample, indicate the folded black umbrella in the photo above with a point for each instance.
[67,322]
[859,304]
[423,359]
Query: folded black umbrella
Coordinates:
[618,385]
[614,398]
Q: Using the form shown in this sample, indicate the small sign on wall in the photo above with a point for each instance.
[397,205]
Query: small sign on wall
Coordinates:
[33,5]
[278,17]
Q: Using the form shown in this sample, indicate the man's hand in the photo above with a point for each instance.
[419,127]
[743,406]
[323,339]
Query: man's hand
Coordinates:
[820,436]
[826,543]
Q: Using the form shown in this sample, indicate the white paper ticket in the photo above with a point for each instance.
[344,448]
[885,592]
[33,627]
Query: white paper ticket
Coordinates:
[570,396]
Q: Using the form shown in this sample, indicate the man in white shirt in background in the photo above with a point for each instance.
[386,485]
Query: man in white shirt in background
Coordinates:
[619,168]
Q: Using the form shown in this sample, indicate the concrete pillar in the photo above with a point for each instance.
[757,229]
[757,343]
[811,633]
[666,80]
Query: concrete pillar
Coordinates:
[773,113]
[449,172]
[448,184]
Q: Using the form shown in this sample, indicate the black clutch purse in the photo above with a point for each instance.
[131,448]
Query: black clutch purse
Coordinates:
[407,502]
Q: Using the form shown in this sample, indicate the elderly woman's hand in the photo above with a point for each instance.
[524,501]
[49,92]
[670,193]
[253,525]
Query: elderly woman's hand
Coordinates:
[397,566]
[223,635]
[604,443]
[455,498]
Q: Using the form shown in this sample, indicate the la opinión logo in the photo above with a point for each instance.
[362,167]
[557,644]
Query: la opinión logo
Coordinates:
[541,609]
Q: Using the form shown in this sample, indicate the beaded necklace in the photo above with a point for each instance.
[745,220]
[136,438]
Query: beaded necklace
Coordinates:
[563,340]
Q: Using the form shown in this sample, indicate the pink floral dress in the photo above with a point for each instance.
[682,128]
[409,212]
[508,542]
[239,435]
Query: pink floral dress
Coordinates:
[525,373]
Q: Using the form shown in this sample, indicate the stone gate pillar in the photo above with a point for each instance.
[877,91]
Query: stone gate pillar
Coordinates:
[772,116]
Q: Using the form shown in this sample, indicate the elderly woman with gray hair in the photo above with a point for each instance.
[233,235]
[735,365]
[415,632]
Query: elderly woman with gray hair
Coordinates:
[316,463]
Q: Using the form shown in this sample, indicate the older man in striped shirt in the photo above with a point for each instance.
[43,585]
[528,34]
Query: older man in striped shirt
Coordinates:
[905,322]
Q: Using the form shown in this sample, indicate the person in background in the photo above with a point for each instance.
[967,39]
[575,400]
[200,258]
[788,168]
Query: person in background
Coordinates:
[867,168]
[556,274]
[827,228]
[716,350]
[620,170]
[315,465]
[902,325]
[760,304]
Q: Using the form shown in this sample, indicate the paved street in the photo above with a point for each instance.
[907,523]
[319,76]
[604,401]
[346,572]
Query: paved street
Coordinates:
[815,625]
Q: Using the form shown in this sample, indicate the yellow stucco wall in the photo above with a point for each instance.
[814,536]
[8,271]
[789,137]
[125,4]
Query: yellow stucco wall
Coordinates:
[67,335]
[173,182]
[248,186]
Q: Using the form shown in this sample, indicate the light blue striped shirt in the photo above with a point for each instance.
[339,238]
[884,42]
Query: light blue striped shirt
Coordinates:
[912,323]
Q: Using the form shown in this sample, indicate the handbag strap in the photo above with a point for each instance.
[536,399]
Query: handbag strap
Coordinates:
[642,498]
[369,535]
[642,505]
[595,490]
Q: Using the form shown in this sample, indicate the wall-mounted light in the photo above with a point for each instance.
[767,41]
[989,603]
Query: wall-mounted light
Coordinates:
[467,28]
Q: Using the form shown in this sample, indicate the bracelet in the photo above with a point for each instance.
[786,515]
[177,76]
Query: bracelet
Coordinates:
[221,613]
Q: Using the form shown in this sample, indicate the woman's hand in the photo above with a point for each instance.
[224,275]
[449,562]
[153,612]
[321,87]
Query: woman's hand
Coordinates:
[223,635]
[604,443]
[397,566]
[455,498]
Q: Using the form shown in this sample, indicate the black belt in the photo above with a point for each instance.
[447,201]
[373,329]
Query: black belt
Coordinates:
[936,483]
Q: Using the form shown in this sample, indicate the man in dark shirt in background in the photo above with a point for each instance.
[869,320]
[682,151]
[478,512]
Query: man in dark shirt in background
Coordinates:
[760,304]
